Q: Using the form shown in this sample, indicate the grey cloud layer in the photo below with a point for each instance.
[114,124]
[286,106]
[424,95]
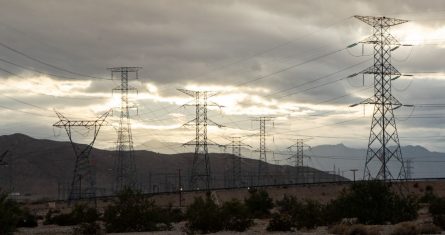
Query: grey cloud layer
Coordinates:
[181,42]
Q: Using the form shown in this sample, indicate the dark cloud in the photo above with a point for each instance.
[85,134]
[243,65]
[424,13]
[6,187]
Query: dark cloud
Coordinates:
[225,43]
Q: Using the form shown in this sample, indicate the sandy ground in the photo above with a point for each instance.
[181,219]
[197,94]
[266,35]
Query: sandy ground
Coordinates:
[258,228]
[321,192]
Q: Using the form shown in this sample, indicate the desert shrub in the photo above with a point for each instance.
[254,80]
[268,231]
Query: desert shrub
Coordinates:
[133,212]
[10,214]
[235,216]
[288,204]
[437,206]
[27,219]
[88,229]
[437,210]
[406,228]
[374,231]
[81,213]
[259,203]
[405,208]
[428,195]
[428,228]
[204,215]
[305,214]
[372,202]
[310,215]
[339,229]
[357,229]
[439,220]
[280,222]
[174,214]
[48,219]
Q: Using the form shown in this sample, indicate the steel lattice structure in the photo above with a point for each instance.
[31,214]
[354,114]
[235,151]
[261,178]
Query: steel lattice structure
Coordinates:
[298,157]
[201,176]
[384,145]
[124,170]
[263,173]
[237,176]
[83,184]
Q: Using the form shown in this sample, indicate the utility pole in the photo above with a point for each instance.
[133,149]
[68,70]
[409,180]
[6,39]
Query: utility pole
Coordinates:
[298,157]
[83,184]
[353,173]
[383,145]
[263,173]
[180,187]
[124,170]
[237,175]
[201,173]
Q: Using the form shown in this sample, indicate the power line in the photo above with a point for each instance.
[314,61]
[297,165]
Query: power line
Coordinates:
[47,64]
[38,71]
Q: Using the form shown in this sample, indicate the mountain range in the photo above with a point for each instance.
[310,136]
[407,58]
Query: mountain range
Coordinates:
[43,168]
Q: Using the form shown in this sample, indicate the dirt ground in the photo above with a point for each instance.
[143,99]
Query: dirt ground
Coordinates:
[321,192]
[258,228]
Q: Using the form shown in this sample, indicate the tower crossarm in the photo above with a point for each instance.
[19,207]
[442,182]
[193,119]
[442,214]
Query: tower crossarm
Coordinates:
[380,21]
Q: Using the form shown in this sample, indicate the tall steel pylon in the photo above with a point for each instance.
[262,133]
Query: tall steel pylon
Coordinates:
[237,176]
[124,170]
[201,176]
[298,157]
[83,184]
[384,145]
[262,171]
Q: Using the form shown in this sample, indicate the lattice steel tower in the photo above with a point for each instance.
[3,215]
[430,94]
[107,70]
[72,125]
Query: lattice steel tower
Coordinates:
[383,146]
[201,176]
[263,172]
[83,184]
[298,157]
[237,176]
[124,170]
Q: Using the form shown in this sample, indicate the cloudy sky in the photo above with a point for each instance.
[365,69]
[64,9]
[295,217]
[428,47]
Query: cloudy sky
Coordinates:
[285,59]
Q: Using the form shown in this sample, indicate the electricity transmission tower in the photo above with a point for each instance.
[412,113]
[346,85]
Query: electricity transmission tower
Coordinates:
[262,174]
[383,146]
[237,176]
[201,173]
[83,184]
[124,170]
[298,158]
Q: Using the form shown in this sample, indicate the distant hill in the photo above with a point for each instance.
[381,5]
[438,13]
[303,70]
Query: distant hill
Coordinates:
[424,163]
[43,168]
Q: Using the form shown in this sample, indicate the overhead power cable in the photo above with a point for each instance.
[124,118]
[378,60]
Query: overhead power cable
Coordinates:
[48,64]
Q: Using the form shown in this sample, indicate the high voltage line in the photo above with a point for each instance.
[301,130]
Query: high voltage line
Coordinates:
[253,80]
[48,64]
